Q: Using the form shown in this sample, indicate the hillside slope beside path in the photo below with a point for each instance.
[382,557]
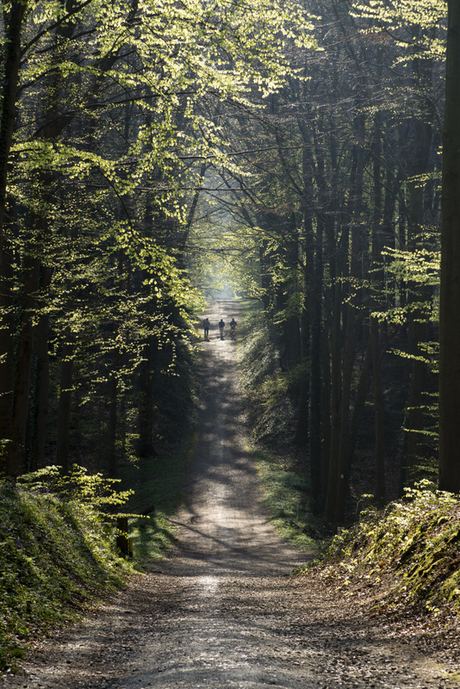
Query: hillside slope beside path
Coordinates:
[222,611]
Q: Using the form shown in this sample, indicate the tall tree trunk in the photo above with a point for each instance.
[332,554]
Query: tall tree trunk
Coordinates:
[112,463]
[317,463]
[38,418]
[41,386]
[349,353]
[302,434]
[303,427]
[65,400]
[449,326]
[415,449]
[336,394]
[13,21]
[24,363]
[415,417]
[6,365]
[379,412]
[378,288]
[361,395]
[145,404]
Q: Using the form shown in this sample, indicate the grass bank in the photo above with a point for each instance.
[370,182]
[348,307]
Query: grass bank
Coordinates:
[158,493]
[58,553]
[408,553]
[57,557]
[268,400]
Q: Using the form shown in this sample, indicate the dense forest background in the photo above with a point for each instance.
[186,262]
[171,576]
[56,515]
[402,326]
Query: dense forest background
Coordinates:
[293,150]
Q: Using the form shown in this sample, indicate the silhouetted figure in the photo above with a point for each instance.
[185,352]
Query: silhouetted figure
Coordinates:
[221,328]
[206,325]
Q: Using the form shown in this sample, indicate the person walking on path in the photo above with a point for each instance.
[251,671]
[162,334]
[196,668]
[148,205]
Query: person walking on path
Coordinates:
[221,328]
[206,325]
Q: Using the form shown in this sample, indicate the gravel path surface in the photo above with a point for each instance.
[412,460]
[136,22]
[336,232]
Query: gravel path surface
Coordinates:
[222,611]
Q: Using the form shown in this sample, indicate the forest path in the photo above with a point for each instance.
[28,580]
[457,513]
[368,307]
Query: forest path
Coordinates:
[222,611]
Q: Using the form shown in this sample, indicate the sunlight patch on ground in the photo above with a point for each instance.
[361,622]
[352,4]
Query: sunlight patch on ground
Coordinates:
[208,585]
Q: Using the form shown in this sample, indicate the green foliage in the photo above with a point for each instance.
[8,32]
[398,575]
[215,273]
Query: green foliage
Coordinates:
[414,543]
[412,24]
[57,555]
[416,270]
[78,485]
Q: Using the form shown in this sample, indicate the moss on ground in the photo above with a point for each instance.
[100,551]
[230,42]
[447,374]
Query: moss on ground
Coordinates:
[413,545]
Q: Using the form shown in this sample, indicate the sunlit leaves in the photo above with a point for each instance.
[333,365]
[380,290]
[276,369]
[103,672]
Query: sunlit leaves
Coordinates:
[414,25]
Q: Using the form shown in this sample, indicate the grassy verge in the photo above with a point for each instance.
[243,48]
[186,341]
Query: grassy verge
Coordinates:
[57,556]
[409,553]
[284,490]
[267,396]
[158,493]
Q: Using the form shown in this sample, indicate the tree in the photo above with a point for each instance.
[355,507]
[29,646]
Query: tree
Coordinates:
[343,166]
[13,19]
[449,312]
[114,104]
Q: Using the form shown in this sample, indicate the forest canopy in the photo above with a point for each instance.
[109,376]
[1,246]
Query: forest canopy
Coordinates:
[294,146]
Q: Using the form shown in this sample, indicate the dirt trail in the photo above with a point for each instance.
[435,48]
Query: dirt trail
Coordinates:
[222,611]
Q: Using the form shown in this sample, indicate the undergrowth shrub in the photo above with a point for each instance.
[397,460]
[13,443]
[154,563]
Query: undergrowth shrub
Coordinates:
[415,539]
[57,552]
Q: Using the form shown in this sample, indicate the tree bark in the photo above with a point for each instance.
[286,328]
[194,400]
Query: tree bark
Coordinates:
[13,22]
[39,416]
[145,404]
[378,288]
[112,428]
[349,353]
[24,364]
[65,400]
[336,399]
[379,412]
[449,326]
[415,417]
[317,471]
